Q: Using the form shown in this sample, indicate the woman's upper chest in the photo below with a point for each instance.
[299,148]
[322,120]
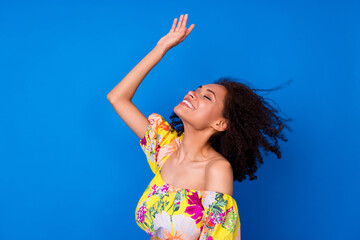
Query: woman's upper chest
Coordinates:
[188,174]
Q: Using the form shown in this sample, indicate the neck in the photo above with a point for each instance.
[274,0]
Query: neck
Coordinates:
[194,145]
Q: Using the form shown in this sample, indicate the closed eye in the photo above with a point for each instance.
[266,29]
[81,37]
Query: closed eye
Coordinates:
[204,95]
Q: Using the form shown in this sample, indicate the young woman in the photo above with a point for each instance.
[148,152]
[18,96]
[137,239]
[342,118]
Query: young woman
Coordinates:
[214,139]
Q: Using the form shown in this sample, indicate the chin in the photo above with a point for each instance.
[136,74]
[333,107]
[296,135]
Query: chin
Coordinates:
[178,109]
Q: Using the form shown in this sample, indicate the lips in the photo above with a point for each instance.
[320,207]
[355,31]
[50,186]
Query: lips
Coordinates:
[188,102]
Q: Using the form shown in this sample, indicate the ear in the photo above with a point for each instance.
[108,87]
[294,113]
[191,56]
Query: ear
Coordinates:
[221,125]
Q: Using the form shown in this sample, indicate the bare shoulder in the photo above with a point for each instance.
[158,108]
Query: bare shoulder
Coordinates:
[219,176]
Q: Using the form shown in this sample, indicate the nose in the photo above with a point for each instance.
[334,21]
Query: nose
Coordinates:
[192,93]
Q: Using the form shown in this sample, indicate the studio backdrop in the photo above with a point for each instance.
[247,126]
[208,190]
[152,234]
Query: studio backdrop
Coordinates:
[70,168]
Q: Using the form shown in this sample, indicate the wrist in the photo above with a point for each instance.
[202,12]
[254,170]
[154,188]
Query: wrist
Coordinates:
[160,48]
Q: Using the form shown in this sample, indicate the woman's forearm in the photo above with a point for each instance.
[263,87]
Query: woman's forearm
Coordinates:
[127,87]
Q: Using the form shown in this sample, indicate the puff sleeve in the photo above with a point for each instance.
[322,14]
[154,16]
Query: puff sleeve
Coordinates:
[157,135]
[220,217]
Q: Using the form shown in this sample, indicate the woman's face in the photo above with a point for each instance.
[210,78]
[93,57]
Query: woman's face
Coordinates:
[206,107]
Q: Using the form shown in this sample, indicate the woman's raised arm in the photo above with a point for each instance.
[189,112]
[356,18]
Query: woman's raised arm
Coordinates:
[120,96]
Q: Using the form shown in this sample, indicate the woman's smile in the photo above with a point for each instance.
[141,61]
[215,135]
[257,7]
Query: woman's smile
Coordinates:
[187,103]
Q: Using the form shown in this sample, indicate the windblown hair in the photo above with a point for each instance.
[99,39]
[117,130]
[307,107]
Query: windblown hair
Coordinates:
[253,123]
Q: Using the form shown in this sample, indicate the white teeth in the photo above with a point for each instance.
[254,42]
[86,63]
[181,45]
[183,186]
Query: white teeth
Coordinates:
[189,104]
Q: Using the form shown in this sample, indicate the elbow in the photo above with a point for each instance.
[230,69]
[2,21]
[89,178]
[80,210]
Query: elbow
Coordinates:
[114,100]
[110,98]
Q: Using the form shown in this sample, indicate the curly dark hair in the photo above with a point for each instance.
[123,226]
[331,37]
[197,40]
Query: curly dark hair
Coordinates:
[251,121]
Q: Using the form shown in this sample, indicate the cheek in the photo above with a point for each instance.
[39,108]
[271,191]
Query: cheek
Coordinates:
[206,111]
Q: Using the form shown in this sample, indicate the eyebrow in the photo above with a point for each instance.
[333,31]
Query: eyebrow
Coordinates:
[209,91]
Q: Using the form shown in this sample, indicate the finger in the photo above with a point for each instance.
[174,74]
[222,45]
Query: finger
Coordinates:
[183,24]
[173,25]
[189,30]
[179,24]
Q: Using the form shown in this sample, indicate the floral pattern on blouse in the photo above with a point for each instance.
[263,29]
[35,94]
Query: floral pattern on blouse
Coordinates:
[167,212]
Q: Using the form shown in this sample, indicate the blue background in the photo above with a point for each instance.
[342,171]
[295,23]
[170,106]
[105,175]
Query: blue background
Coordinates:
[71,169]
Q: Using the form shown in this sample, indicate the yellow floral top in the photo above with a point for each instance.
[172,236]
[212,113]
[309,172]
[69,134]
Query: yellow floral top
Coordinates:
[167,212]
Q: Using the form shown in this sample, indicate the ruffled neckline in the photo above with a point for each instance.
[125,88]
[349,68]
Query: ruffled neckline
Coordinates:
[191,190]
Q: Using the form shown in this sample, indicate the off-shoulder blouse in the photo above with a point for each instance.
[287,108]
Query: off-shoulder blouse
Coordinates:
[167,212]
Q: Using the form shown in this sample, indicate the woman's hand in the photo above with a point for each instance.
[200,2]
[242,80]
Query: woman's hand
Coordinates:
[177,33]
